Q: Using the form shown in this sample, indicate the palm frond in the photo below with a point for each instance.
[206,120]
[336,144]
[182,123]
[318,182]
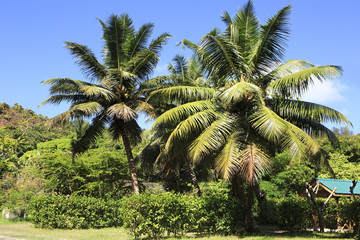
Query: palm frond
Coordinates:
[242,91]
[158,43]
[87,109]
[62,118]
[298,82]
[64,85]
[220,55]
[268,124]
[178,114]
[116,31]
[253,163]
[181,94]
[70,98]
[187,129]
[97,91]
[147,108]
[87,61]
[299,144]
[227,161]
[271,44]
[244,30]
[121,111]
[295,109]
[212,138]
[143,63]
[94,130]
[138,43]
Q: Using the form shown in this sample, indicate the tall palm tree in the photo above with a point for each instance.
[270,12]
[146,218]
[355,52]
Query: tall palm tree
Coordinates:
[252,106]
[112,97]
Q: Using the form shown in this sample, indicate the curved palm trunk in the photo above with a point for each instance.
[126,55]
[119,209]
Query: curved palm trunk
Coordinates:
[130,159]
[193,176]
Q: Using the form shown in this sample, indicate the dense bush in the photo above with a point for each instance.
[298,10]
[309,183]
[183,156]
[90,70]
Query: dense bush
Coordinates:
[293,214]
[218,211]
[152,215]
[351,212]
[98,173]
[54,211]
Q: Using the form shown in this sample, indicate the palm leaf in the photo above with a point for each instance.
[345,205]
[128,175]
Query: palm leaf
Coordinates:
[268,124]
[177,114]
[252,164]
[212,138]
[121,111]
[138,43]
[158,43]
[87,61]
[227,161]
[178,94]
[185,130]
[87,109]
[94,130]
[242,91]
[271,44]
[100,92]
[295,109]
[297,83]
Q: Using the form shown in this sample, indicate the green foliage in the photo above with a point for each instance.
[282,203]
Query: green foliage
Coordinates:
[152,215]
[343,168]
[17,188]
[97,173]
[62,145]
[219,212]
[293,214]
[54,211]
[292,181]
[351,212]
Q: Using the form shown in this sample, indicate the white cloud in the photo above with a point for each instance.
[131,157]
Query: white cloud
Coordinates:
[325,92]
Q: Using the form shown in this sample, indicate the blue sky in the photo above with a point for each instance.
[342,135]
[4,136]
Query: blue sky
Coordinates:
[32,33]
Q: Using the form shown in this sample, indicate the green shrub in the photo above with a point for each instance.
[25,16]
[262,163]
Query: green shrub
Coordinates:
[151,215]
[293,214]
[267,211]
[218,212]
[351,212]
[54,211]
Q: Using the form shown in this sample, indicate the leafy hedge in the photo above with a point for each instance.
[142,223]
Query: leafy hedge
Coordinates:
[152,215]
[56,211]
[287,213]
[147,215]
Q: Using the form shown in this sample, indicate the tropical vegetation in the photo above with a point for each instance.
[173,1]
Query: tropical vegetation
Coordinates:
[231,147]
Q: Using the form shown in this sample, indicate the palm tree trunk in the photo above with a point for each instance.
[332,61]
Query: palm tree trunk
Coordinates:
[247,202]
[131,161]
[193,176]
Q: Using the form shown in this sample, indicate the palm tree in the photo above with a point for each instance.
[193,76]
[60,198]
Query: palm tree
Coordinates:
[183,72]
[112,97]
[252,106]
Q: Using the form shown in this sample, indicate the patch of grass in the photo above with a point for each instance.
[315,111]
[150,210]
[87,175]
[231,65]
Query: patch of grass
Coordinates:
[25,230]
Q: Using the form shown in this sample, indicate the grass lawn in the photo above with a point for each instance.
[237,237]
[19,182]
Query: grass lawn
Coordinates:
[25,230]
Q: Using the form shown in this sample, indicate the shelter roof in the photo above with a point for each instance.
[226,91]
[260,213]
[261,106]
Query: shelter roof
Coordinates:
[326,185]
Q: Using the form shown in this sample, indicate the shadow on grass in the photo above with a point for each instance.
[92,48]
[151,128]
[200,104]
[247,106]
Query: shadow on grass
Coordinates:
[273,231]
[268,232]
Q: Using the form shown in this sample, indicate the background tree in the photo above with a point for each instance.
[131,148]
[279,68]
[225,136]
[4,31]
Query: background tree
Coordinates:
[112,97]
